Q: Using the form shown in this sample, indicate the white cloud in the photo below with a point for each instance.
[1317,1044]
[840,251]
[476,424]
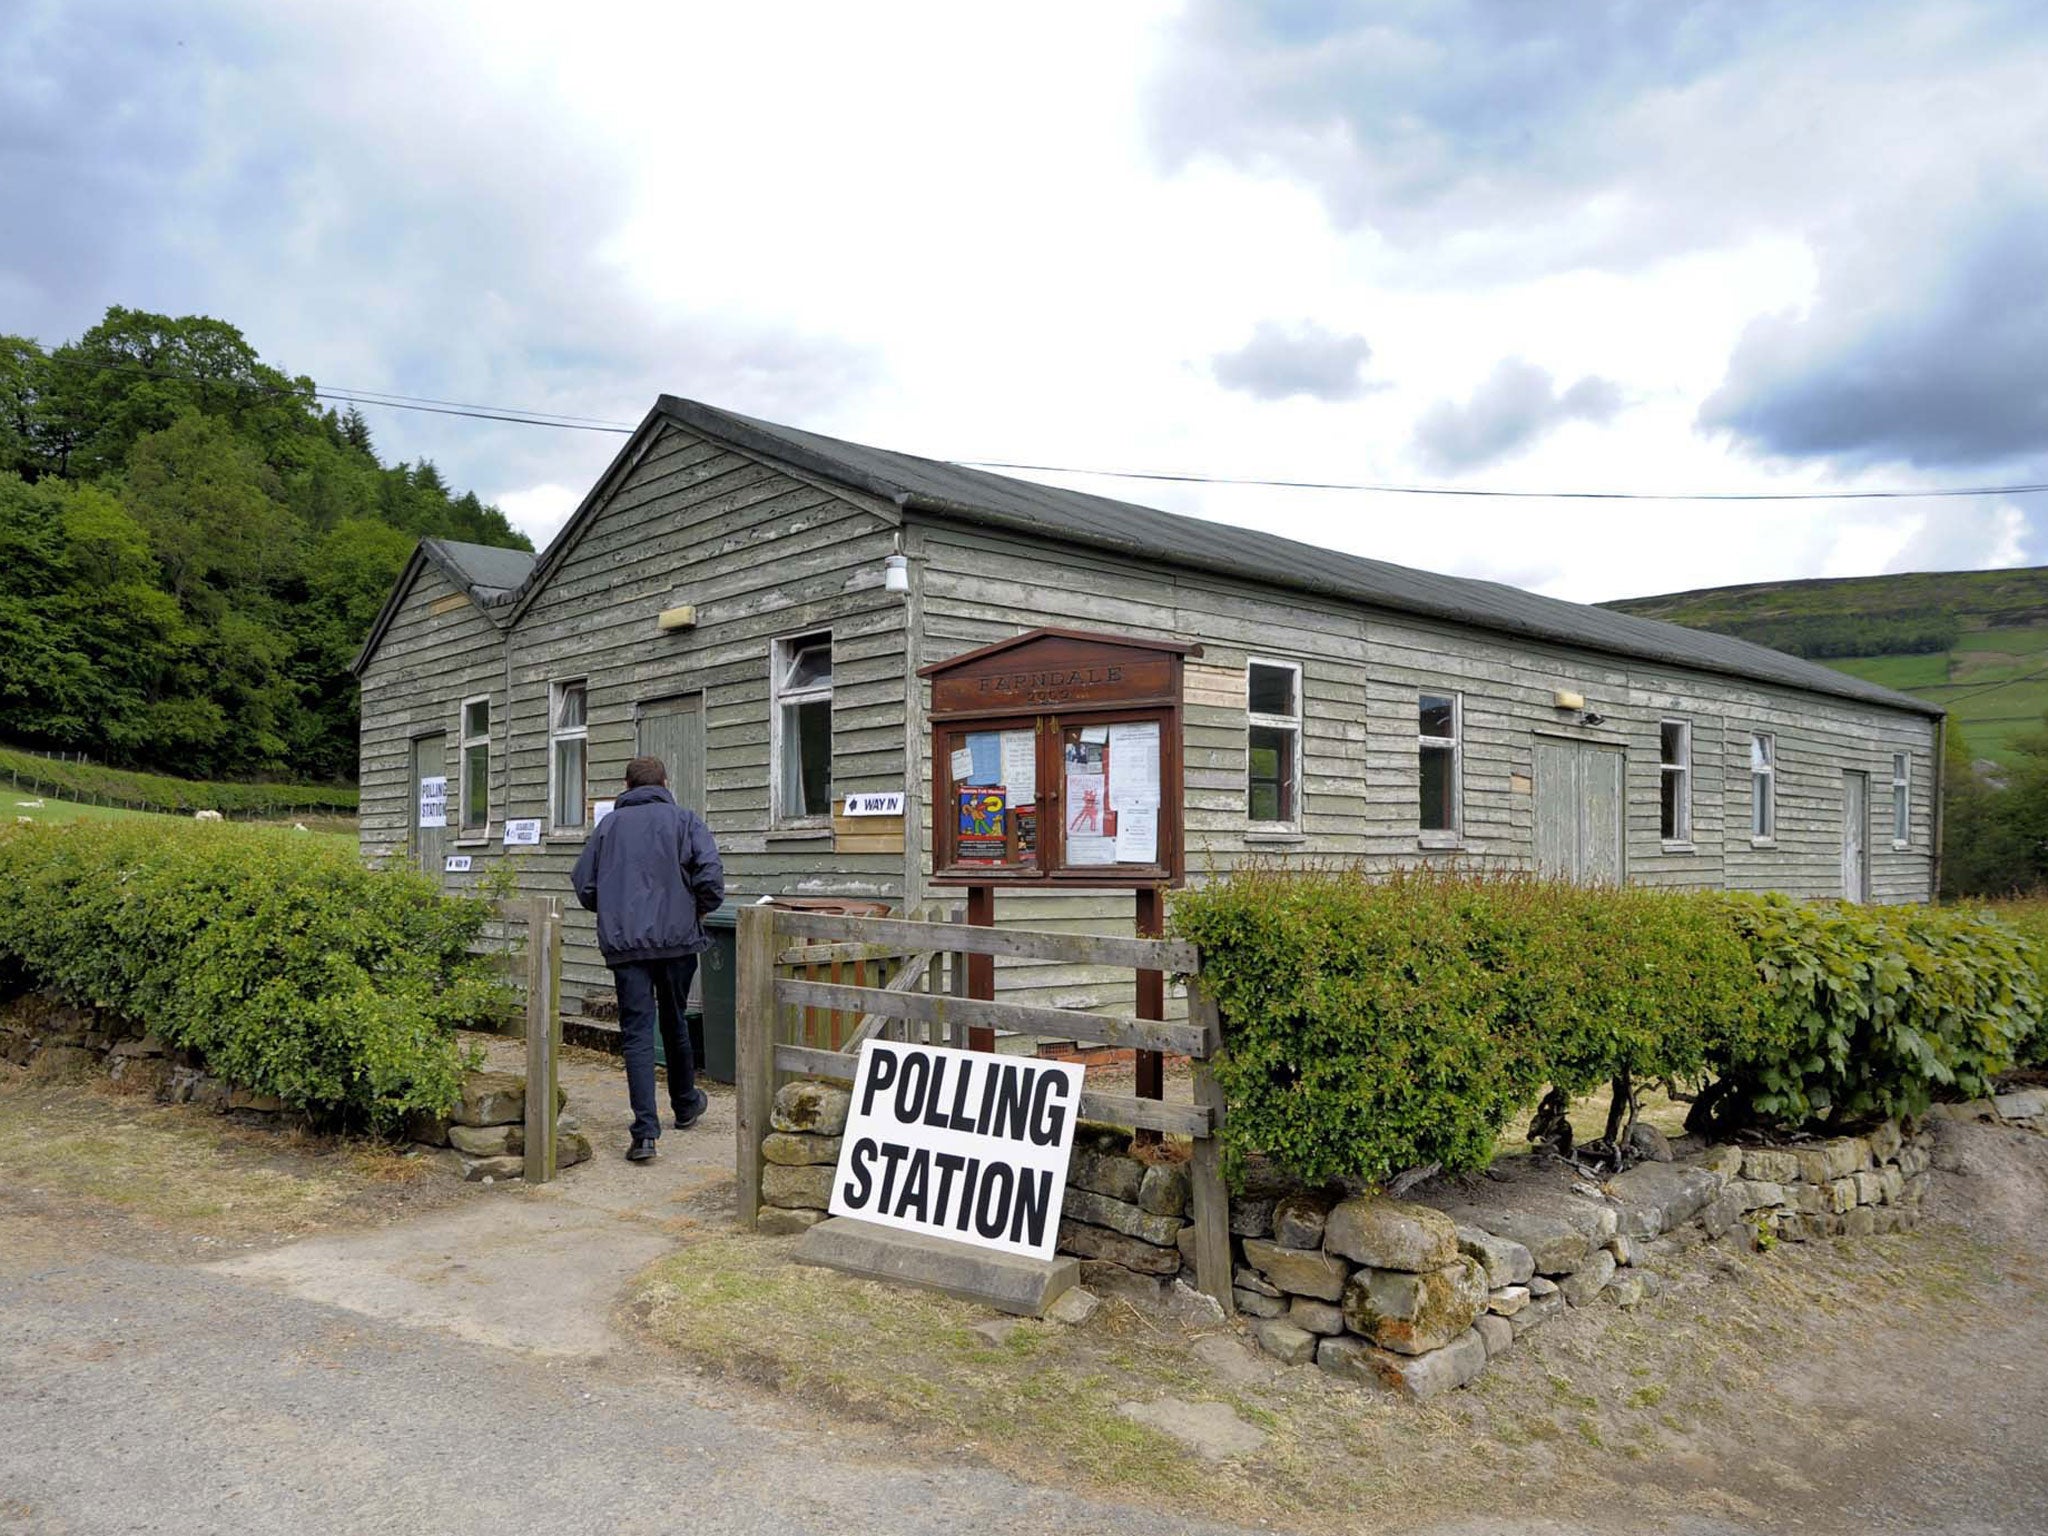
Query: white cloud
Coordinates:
[538,511]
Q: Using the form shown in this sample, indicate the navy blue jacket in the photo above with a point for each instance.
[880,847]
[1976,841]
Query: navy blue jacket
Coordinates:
[650,872]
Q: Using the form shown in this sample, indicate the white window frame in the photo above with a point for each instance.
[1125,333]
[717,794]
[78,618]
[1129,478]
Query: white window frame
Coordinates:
[1763,790]
[1454,744]
[465,830]
[557,733]
[1902,800]
[1680,838]
[783,651]
[1289,723]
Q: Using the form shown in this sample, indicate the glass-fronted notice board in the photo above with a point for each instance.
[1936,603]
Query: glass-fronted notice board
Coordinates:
[1085,790]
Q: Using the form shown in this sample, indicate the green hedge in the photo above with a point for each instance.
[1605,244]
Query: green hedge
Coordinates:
[290,968]
[1379,1023]
[157,792]
[1876,1008]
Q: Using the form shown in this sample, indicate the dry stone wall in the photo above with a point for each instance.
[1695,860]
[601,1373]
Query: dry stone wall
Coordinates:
[1416,1296]
[482,1140]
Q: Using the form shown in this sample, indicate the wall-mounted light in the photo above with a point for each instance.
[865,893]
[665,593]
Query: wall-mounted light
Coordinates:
[896,574]
[683,616]
[1564,698]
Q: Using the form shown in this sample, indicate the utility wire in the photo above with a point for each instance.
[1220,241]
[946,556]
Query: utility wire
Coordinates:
[526,418]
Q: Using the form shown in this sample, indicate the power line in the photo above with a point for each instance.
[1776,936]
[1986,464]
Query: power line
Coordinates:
[517,416]
[1459,490]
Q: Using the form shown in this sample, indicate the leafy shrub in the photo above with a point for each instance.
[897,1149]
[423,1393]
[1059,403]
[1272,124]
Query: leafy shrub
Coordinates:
[1876,1008]
[1375,1024]
[290,968]
[158,792]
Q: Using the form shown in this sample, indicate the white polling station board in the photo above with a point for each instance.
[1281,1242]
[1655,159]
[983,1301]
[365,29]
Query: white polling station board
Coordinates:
[965,1145]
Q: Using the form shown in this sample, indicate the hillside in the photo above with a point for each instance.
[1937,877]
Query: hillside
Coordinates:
[192,548]
[1975,642]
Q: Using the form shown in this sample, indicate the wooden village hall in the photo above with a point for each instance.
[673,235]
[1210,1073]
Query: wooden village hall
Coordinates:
[754,604]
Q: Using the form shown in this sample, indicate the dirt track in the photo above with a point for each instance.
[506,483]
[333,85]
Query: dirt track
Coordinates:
[358,1382]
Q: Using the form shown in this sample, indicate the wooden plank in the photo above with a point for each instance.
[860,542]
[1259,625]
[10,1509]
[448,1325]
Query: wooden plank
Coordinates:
[1172,955]
[910,978]
[756,1016]
[825,954]
[1149,1115]
[1210,1196]
[543,1034]
[811,1061]
[1059,1023]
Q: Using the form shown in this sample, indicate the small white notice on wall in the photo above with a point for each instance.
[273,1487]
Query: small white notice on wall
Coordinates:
[599,809]
[434,801]
[889,804]
[458,864]
[965,1145]
[522,833]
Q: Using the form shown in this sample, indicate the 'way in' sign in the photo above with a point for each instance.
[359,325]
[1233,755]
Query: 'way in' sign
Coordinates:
[959,1144]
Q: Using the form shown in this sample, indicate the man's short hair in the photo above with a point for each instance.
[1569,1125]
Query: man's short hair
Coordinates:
[643,771]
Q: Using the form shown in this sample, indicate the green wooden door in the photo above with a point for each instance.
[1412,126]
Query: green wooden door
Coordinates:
[673,730]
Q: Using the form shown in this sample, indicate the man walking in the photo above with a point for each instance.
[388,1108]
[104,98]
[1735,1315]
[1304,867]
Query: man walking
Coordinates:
[651,873]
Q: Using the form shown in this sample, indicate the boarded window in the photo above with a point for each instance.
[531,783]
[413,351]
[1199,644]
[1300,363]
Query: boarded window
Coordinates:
[1902,799]
[1273,743]
[803,728]
[1675,771]
[476,765]
[1763,787]
[568,744]
[1440,760]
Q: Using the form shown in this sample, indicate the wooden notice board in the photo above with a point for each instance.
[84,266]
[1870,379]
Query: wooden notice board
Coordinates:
[1057,761]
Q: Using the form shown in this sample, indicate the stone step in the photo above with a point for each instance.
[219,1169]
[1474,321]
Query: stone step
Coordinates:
[1006,1281]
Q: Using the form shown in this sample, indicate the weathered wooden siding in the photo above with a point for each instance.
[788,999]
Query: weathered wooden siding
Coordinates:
[762,554]
[1361,674]
[439,650]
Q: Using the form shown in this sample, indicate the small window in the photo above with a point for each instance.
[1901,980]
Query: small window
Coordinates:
[1273,743]
[1438,722]
[803,728]
[476,765]
[1675,770]
[1902,800]
[568,744]
[1763,787]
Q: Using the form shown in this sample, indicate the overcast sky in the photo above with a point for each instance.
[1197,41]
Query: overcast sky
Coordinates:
[1597,246]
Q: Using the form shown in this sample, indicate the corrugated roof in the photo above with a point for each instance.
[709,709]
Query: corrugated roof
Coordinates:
[487,572]
[975,495]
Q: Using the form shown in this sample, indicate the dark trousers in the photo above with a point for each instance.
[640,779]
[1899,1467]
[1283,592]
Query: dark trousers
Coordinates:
[652,994]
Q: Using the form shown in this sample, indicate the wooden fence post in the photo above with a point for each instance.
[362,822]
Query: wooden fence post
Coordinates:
[756,1016]
[1210,1196]
[543,1033]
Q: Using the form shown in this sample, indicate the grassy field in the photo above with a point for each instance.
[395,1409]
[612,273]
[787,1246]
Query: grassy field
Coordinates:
[1992,676]
[23,807]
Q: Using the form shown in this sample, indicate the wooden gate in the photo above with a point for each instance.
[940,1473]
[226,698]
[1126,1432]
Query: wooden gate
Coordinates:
[781,952]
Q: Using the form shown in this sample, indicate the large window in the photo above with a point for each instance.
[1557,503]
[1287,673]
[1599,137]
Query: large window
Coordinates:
[802,678]
[1763,788]
[476,765]
[1675,769]
[1902,800]
[568,755]
[1439,723]
[1273,744]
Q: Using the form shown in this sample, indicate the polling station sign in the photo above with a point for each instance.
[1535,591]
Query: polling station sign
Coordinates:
[963,1145]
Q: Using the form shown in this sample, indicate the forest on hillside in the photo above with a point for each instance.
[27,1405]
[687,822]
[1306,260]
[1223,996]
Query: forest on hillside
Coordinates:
[192,549]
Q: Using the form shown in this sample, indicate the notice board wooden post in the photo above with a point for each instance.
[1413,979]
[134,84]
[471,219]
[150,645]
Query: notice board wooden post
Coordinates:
[1058,763]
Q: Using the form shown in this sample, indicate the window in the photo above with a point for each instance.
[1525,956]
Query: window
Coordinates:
[1902,800]
[802,681]
[1438,720]
[568,744]
[1763,788]
[1273,743]
[476,765]
[1675,769]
